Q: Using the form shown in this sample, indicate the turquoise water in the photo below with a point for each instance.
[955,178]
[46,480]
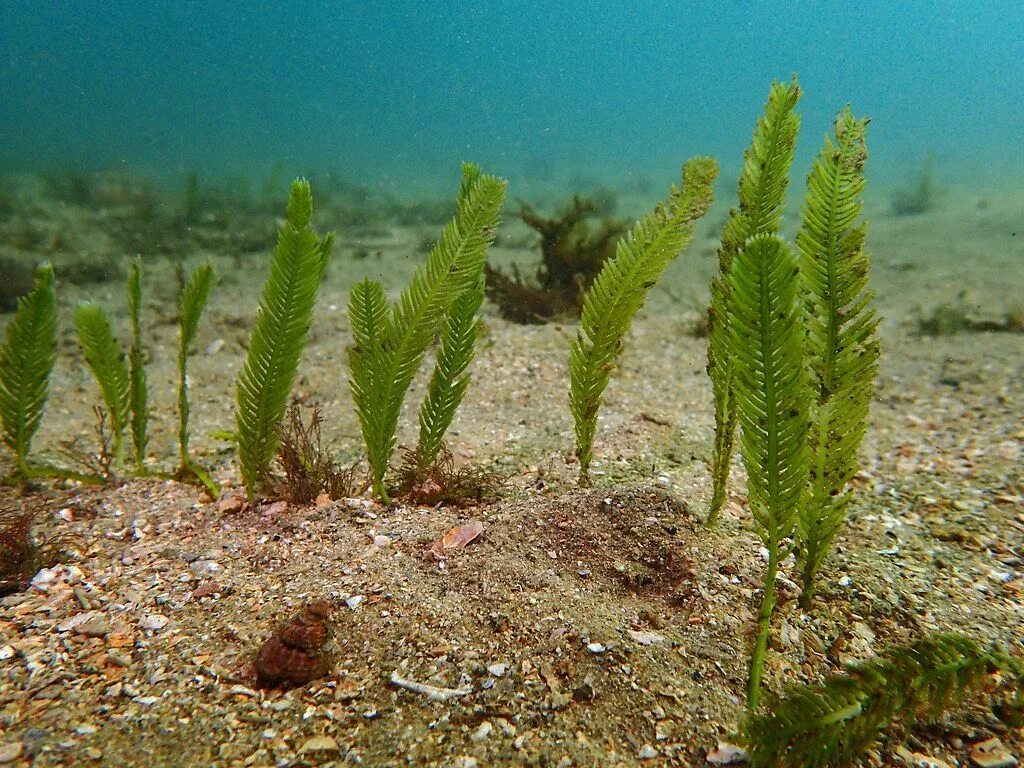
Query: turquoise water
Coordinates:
[399,93]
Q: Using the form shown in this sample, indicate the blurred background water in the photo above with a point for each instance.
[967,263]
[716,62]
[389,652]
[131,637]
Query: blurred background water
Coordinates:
[544,93]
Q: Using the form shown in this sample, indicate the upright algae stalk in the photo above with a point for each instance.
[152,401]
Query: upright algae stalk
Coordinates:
[279,336]
[106,361]
[26,362]
[771,396]
[450,377]
[192,303]
[136,369]
[621,288]
[762,194]
[841,337]
[390,342]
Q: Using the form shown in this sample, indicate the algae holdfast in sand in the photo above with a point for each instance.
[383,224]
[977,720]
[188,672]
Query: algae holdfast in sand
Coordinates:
[279,336]
[390,342]
[621,288]
[26,362]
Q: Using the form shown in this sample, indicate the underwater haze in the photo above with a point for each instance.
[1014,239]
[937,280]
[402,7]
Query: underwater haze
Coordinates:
[398,93]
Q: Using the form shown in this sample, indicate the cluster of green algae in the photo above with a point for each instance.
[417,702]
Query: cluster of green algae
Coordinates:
[792,355]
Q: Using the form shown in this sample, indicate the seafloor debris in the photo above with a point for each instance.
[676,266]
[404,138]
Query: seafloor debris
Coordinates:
[441,482]
[297,651]
[21,553]
[432,692]
[572,253]
[456,538]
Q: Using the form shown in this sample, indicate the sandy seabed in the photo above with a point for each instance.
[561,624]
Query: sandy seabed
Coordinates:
[585,627]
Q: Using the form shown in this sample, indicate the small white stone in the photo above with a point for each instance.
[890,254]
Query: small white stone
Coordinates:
[355,600]
[7,652]
[645,637]
[596,648]
[206,567]
[154,621]
[845,581]
[728,754]
[483,732]
[381,541]
[498,670]
[647,752]
[10,752]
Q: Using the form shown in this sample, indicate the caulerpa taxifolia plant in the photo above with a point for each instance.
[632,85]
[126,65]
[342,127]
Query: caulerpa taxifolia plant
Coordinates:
[450,377]
[279,336]
[26,361]
[842,346]
[831,725]
[136,371]
[106,361]
[621,288]
[800,353]
[390,342]
[191,305]
[772,393]
[762,193]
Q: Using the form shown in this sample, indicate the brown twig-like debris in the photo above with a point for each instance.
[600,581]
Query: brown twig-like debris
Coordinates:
[443,483]
[308,467]
[21,554]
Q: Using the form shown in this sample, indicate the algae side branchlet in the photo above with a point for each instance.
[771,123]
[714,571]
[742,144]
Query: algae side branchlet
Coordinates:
[621,289]
[279,336]
[390,341]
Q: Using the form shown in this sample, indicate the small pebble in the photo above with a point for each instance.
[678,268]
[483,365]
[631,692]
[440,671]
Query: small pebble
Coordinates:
[596,648]
[728,754]
[154,621]
[10,752]
[647,752]
[483,732]
[319,744]
[645,637]
[118,659]
[992,754]
[355,600]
